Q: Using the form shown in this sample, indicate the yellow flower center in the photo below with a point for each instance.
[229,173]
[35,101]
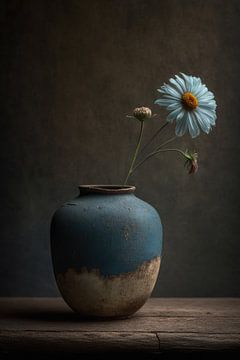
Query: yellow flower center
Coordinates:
[189,101]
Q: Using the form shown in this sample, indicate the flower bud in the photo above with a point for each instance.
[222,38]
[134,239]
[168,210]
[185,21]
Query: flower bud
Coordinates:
[191,161]
[142,113]
[194,167]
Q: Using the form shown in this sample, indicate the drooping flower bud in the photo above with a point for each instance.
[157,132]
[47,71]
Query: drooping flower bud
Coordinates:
[191,161]
[142,113]
[194,167]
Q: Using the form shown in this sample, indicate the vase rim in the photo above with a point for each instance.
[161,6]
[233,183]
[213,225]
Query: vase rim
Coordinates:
[106,189]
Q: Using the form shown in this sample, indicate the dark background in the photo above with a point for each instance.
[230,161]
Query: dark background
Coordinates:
[70,72]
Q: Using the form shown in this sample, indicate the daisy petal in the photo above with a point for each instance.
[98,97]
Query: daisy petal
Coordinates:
[181,82]
[203,123]
[174,114]
[192,126]
[165,102]
[180,115]
[188,81]
[167,89]
[176,84]
[209,117]
[174,106]
[181,126]
[210,103]
[201,91]
[167,96]
[196,83]
[207,112]
[207,96]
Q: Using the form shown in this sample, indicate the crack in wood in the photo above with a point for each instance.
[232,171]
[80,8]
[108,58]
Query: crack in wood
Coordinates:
[159,343]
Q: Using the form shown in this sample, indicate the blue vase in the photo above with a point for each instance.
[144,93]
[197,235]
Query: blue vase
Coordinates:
[106,249]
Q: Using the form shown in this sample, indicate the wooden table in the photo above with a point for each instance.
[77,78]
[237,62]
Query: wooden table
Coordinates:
[163,325]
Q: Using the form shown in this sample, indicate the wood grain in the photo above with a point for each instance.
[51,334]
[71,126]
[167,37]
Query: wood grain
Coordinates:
[47,324]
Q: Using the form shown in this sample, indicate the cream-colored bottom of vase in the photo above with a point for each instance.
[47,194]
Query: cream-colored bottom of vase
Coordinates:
[91,294]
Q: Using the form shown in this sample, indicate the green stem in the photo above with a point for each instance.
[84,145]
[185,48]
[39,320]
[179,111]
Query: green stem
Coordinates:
[154,136]
[155,153]
[135,153]
[158,148]
[165,143]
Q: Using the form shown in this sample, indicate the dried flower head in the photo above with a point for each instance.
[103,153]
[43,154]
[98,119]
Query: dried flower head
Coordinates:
[142,113]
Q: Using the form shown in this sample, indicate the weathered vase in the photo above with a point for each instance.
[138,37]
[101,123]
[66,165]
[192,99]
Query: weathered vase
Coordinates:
[106,249]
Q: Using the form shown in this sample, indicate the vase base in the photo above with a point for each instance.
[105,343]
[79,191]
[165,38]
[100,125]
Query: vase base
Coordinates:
[90,294]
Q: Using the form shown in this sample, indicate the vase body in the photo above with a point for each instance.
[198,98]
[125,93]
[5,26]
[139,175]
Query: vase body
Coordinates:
[106,250]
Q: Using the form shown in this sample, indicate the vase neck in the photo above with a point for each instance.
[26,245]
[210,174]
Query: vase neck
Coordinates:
[106,189]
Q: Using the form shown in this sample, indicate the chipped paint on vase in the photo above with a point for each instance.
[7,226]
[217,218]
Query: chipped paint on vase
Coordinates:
[106,249]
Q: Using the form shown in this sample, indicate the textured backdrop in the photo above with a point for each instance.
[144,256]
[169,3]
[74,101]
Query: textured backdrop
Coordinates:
[70,72]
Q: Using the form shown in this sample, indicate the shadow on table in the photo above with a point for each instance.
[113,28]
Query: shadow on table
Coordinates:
[60,316]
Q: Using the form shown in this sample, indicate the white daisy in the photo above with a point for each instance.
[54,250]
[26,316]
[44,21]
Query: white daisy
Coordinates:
[189,103]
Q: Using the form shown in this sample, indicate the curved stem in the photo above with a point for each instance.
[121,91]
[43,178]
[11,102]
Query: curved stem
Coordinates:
[154,136]
[165,143]
[135,153]
[158,148]
[155,153]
